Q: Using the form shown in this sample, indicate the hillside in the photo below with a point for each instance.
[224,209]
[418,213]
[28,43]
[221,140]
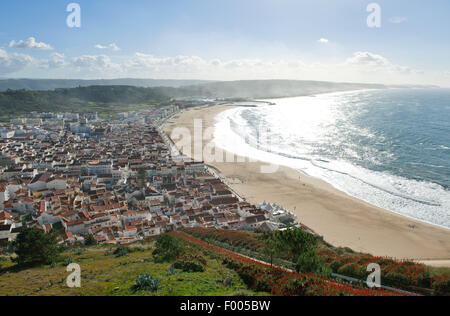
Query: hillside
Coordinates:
[102,99]
[117,98]
[181,265]
[267,88]
[105,274]
[52,84]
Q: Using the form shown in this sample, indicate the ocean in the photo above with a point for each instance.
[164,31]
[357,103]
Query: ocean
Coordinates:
[390,148]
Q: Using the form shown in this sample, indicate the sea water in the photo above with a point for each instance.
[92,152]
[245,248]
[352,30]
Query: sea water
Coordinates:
[390,148]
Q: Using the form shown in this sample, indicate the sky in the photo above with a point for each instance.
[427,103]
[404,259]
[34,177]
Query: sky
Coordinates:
[228,40]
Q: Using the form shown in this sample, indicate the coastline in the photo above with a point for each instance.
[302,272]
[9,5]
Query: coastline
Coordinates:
[342,220]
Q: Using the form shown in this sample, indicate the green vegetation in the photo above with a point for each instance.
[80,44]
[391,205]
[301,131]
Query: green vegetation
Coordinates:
[51,84]
[297,246]
[193,262]
[121,252]
[291,243]
[106,100]
[311,262]
[168,248]
[107,275]
[145,282]
[319,257]
[141,177]
[34,247]
[90,240]
[109,100]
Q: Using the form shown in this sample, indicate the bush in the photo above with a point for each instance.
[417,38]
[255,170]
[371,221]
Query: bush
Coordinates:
[68,261]
[289,244]
[121,252]
[352,270]
[90,241]
[145,282]
[168,248]
[190,263]
[33,247]
[310,262]
[441,285]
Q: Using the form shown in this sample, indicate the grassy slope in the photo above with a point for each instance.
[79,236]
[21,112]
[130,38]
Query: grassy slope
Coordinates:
[103,274]
[252,241]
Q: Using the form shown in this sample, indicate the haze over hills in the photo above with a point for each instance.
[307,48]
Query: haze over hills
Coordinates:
[267,88]
[51,84]
[113,98]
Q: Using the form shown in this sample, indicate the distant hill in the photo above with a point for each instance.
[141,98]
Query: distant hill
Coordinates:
[114,98]
[52,84]
[101,99]
[267,88]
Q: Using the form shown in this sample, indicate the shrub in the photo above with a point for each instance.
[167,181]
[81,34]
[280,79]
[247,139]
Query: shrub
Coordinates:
[168,248]
[33,247]
[350,269]
[441,285]
[311,262]
[191,263]
[262,277]
[293,242]
[90,241]
[121,252]
[146,282]
[68,261]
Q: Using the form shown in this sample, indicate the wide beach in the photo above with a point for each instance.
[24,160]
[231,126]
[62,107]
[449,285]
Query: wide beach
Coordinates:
[341,219]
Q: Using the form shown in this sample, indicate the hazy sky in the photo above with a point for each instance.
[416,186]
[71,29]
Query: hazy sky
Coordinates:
[228,39]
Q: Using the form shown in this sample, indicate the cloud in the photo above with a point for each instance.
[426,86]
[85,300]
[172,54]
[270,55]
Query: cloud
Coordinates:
[362,66]
[96,64]
[11,63]
[56,61]
[30,43]
[170,65]
[369,62]
[112,46]
[398,19]
[100,61]
[323,41]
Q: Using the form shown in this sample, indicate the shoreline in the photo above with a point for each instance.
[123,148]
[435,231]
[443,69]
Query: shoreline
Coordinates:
[343,190]
[344,221]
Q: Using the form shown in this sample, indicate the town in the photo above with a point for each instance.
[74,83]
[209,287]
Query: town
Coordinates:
[115,181]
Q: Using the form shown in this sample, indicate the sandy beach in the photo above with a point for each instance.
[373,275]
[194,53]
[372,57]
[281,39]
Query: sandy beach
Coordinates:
[341,219]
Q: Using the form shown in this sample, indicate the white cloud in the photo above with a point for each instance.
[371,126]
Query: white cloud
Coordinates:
[97,65]
[112,46]
[398,19]
[323,41]
[30,43]
[56,61]
[362,67]
[11,63]
[369,62]
[89,61]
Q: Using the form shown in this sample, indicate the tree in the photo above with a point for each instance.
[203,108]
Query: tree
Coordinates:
[293,242]
[141,177]
[311,262]
[90,240]
[33,247]
[270,246]
[168,248]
